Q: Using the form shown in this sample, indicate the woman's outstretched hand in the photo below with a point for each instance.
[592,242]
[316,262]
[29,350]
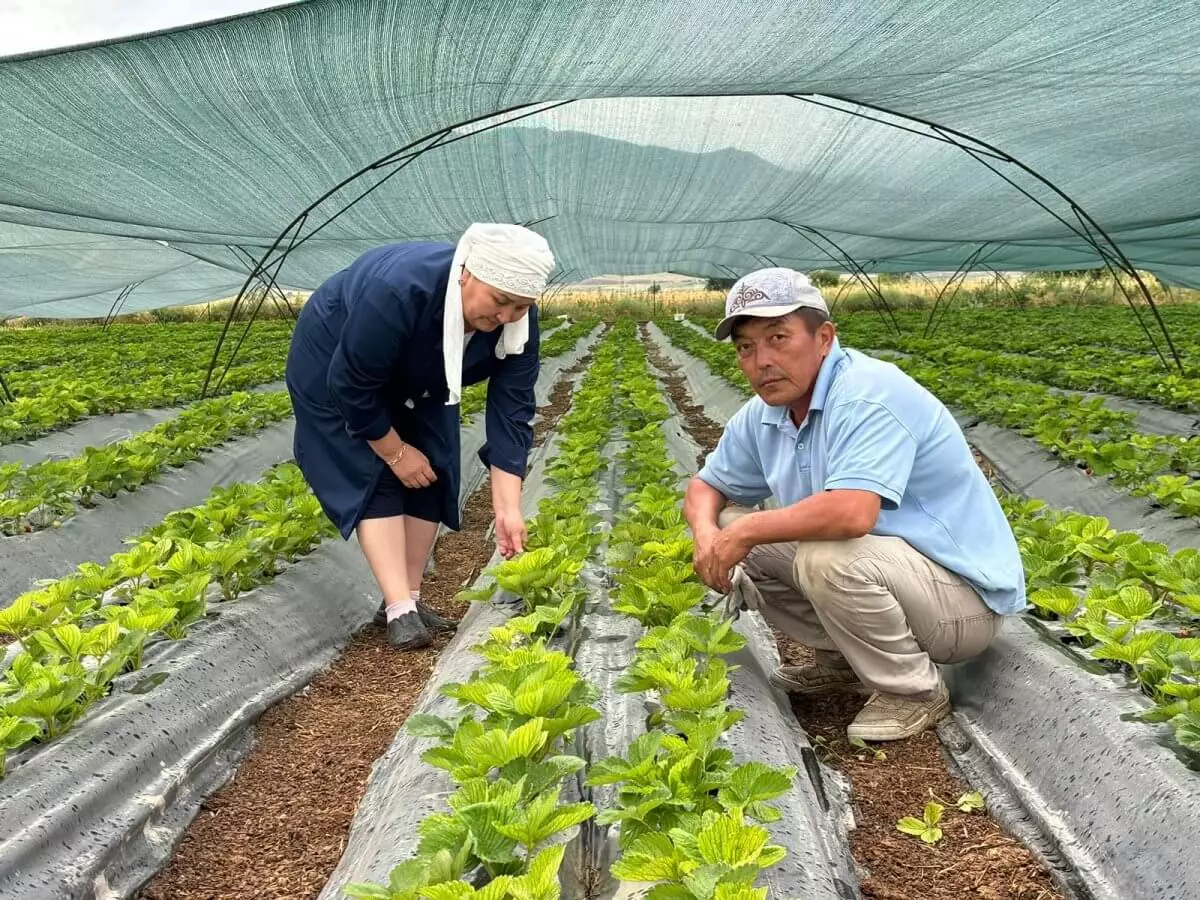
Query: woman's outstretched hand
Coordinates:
[510,532]
[506,504]
[413,469]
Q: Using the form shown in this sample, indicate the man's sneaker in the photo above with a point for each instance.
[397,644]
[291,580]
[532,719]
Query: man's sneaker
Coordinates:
[892,717]
[815,679]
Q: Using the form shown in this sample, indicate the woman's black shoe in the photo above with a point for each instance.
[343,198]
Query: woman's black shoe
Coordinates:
[408,632]
[433,621]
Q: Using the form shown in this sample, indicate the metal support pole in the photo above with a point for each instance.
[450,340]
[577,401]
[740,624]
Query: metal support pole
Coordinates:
[957,280]
[114,310]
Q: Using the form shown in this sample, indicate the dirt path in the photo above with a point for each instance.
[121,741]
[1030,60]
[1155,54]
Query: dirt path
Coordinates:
[277,830]
[974,859]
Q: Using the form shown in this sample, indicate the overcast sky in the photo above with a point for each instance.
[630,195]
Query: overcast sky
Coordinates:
[30,25]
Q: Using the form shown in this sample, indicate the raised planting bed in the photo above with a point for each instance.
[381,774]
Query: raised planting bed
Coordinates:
[1050,775]
[176,727]
[101,531]
[621,632]
[99,431]
[132,368]
[279,827]
[41,495]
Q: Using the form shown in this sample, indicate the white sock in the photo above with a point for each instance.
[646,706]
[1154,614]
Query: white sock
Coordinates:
[396,610]
[415,596]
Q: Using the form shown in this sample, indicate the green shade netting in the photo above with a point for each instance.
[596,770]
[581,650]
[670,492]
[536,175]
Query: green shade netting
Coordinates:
[172,160]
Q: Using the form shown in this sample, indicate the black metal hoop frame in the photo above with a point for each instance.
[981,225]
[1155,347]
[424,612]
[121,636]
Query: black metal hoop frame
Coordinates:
[843,259]
[958,279]
[115,309]
[267,268]
[1084,227]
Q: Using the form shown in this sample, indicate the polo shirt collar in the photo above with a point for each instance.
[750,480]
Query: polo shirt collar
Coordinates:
[778,415]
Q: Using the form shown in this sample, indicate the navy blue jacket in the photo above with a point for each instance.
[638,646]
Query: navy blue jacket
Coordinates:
[367,354]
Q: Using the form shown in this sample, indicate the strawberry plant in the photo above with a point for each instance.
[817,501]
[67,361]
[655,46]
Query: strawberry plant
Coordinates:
[77,634]
[682,801]
[508,749]
[1126,602]
[32,497]
[928,827]
[61,375]
[563,533]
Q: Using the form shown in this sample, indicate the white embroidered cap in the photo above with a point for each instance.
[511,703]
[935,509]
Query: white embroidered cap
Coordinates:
[769,293]
[509,257]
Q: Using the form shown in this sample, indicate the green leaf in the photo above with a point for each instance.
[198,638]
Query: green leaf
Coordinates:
[754,782]
[971,801]
[650,857]
[540,776]
[1062,601]
[1187,730]
[544,698]
[670,892]
[483,819]
[408,876]
[425,725]
[447,890]
[16,732]
[702,881]
[925,828]
[447,866]
[739,892]
[911,825]
[540,882]
[367,892]
[727,841]
[440,831]
[496,889]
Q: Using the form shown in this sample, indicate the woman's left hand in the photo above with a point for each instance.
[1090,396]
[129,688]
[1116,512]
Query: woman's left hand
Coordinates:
[510,532]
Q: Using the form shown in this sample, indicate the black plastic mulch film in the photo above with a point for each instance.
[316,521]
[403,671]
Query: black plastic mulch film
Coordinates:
[1109,808]
[101,809]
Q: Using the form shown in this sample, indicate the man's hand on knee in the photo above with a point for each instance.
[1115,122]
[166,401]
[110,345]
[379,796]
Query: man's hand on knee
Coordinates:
[715,554]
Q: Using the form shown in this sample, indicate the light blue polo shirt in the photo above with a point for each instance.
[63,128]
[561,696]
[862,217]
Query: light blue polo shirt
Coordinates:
[871,427]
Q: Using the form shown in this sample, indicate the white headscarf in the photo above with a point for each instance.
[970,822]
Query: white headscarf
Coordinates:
[509,257]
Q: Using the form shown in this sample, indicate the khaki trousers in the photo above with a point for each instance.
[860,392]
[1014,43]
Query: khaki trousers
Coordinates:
[889,611]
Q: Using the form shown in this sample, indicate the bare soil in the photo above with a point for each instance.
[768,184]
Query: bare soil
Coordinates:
[976,858]
[278,829]
[703,430]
